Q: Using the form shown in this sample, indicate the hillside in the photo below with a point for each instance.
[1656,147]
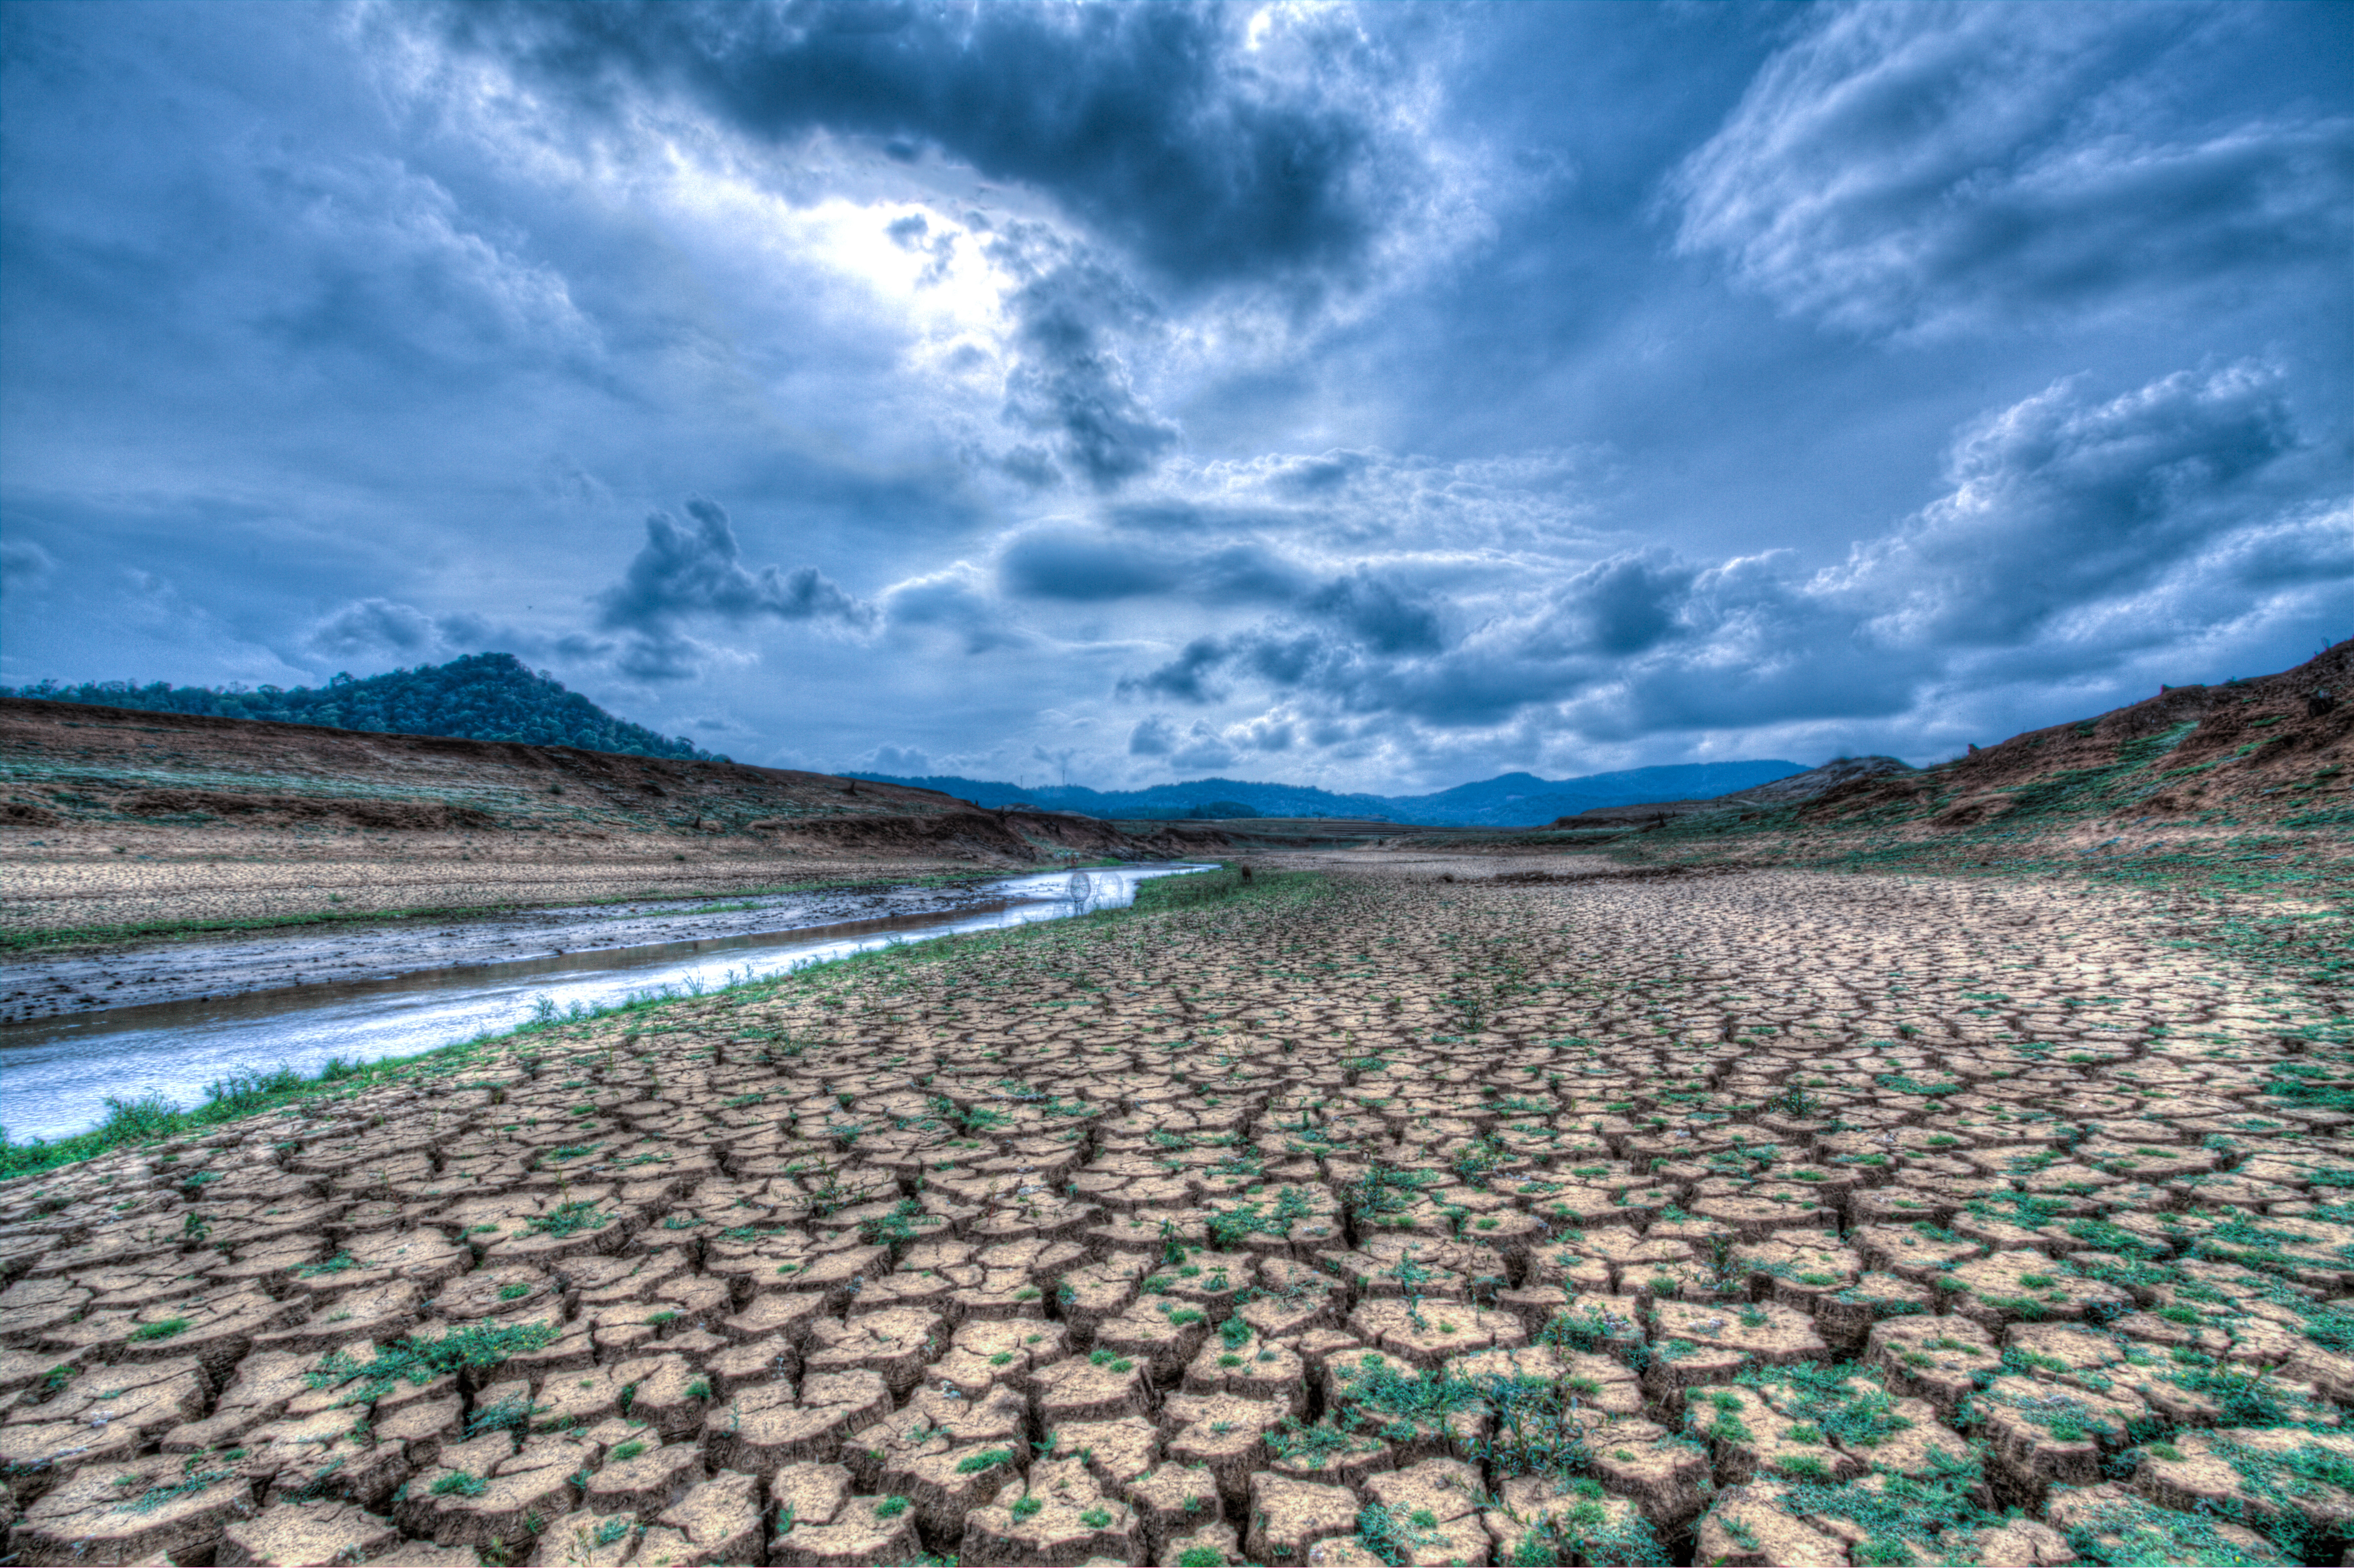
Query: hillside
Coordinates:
[483,696]
[1787,791]
[1511,799]
[2268,750]
[116,820]
[2241,789]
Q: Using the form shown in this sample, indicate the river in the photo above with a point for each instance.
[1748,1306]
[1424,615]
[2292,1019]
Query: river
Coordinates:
[57,1075]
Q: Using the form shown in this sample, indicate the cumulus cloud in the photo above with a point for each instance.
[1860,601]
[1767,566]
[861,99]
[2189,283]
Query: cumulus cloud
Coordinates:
[1071,381]
[905,762]
[1076,564]
[1083,565]
[1152,737]
[957,602]
[1926,166]
[2064,498]
[696,569]
[375,627]
[1186,677]
[1381,613]
[1200,744]
[2072,521]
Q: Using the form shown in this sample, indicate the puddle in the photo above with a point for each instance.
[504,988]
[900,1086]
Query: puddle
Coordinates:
[56,1074]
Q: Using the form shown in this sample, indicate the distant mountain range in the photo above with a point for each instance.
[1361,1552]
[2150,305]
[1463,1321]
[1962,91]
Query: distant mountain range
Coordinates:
[483,696]
[1508,800]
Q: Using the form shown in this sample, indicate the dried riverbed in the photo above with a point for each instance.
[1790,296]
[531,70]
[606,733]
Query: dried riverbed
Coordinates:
[1761,1218]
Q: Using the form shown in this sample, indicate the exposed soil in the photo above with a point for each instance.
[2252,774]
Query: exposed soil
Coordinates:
[113,817]
[2263,752]
[2266,750]
[1753,1217]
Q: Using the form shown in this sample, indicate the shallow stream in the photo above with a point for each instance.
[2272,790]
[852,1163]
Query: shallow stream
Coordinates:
[57,1075]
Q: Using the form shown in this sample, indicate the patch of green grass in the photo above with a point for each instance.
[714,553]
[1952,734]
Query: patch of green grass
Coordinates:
[1394,1535]
[897,1229]
[571,1219]
[987,1459]
[1230,1228]
[152,1117]
[414,1359]
[194,1477]
[1906,1517]
[2131,1531]
[1585,1531]
[513,1414]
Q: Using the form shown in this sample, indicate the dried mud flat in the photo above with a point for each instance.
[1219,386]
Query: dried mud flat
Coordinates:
[1767,1217]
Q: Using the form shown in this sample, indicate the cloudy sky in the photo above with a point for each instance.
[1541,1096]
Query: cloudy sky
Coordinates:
[1380,398]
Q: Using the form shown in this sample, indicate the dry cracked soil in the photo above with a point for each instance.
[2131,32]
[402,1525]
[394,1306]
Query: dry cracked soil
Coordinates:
[1765,1217]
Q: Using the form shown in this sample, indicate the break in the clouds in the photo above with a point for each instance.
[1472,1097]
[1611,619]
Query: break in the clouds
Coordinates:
[1371,395]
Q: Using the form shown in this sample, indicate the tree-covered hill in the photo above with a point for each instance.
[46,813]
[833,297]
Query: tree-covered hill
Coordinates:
[483,696]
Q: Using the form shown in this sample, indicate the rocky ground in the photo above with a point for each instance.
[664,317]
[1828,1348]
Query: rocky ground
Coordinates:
[1753,1217]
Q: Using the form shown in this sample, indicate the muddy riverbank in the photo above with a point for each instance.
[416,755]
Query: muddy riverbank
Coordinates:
[213,968]
[57,1075]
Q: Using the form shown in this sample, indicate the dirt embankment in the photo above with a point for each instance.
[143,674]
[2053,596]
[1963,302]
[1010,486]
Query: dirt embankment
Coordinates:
[2268,753]
[114,817]
[2270,750]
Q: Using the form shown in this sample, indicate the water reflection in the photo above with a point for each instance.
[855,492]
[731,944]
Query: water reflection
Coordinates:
[56,1074]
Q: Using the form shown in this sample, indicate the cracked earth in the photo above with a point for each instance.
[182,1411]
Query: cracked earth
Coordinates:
[1767,1217]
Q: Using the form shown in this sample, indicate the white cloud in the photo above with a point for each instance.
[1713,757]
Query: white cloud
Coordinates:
[1932,166]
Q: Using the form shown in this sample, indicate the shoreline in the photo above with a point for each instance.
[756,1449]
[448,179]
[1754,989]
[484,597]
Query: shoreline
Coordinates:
[39,985]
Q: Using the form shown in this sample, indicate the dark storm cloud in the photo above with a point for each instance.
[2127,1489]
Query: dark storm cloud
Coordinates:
[1927,165]
[1076,564]
[1151,123]
[1381,614]
[1071,382]
[1624,604]
[959,602]
[1185,677]
[23,563]
[696,569]
[1083,568]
